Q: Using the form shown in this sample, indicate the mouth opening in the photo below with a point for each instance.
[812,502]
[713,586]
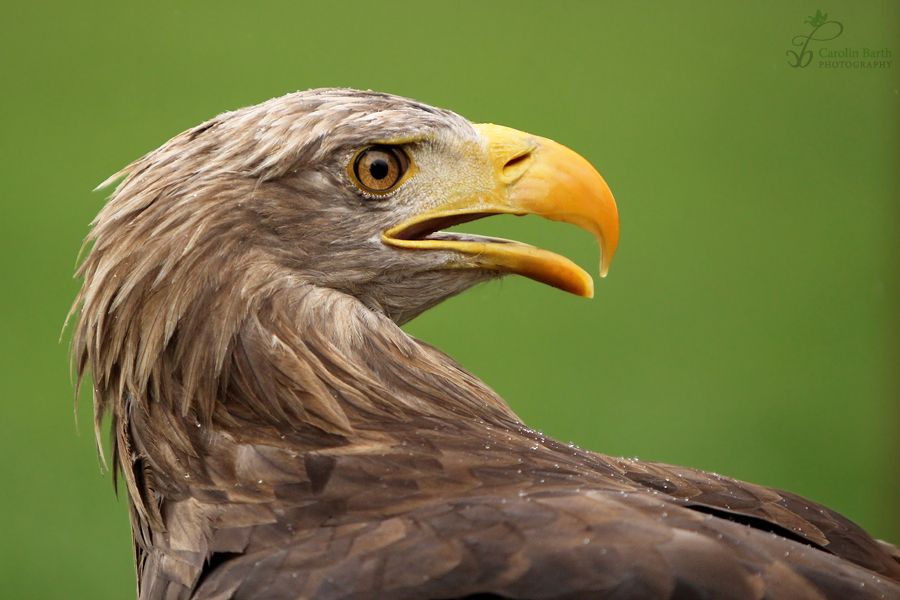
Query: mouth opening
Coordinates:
[431,228]
[476,251]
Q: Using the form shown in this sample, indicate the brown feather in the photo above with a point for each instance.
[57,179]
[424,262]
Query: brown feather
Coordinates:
[281,437]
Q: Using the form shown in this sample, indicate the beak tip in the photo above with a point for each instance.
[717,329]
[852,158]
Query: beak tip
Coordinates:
[604,267]
[588,290]
[606,254]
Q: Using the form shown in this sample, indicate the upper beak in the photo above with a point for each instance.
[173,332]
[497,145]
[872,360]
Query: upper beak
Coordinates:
[529,175]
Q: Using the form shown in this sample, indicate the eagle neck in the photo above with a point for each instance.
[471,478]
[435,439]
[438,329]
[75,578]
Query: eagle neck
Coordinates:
[353,368]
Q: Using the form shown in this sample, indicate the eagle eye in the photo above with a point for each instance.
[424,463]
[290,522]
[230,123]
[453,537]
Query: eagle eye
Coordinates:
[379,169]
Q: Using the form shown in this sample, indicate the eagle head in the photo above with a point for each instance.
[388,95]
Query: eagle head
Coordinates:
[237,267]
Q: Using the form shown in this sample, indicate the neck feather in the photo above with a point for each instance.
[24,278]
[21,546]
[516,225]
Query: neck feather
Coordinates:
[255,358]
[347,366]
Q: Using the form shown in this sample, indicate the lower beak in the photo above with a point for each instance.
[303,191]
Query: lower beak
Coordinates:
[531,175]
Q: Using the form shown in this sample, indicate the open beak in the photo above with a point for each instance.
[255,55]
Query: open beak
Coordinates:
[529,175]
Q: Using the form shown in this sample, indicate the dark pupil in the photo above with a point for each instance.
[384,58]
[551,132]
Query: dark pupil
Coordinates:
[379,168]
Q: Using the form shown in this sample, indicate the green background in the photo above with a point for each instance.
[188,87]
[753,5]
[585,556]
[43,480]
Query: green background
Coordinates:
[749,322]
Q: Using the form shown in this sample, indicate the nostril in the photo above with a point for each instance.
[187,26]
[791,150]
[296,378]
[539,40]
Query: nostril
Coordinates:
[515,166]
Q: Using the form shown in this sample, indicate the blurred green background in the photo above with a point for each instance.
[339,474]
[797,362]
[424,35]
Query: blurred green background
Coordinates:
[749,322]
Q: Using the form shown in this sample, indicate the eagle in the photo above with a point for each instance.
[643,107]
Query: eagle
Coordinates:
[280,437]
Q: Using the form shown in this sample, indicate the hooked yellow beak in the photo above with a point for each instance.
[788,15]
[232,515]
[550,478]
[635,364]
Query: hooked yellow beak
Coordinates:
[529,175]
